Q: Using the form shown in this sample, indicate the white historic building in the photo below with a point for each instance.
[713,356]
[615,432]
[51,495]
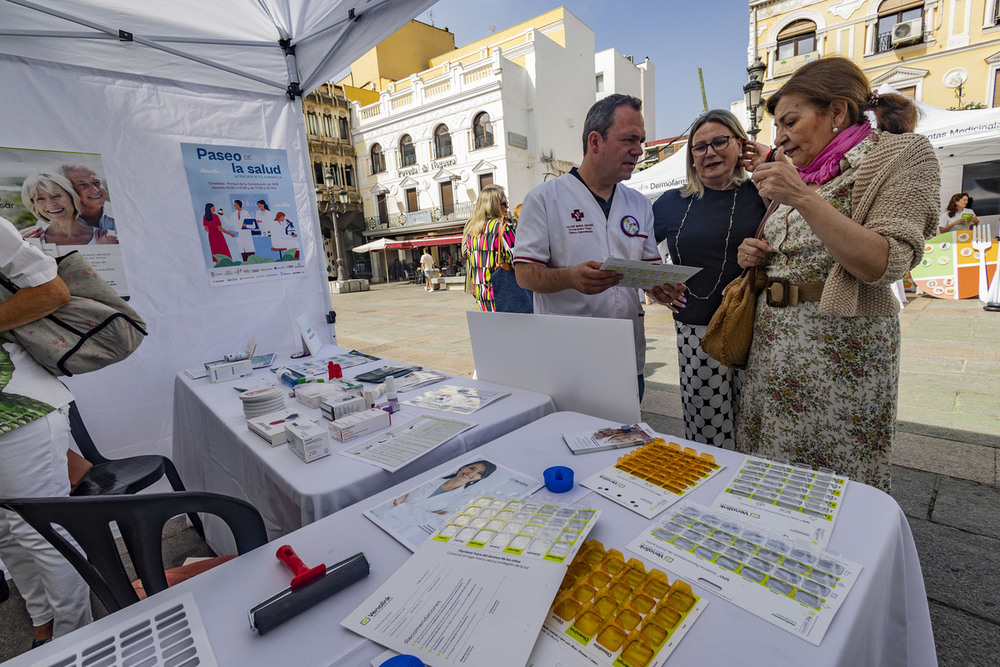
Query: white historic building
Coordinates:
[508,109]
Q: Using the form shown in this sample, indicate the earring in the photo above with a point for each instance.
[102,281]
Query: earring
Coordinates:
[836,129]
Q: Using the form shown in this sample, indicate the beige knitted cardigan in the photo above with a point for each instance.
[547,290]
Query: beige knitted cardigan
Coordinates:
[897,193]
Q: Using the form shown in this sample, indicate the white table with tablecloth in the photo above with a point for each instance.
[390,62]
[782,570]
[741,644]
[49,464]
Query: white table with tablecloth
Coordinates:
[884,620]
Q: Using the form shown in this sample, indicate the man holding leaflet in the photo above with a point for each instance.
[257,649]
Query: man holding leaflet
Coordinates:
[570,225]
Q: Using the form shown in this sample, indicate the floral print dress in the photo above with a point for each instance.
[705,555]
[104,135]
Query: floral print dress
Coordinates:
[820,389]
[485,253]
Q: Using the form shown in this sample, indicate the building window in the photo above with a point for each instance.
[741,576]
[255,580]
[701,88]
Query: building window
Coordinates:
[442,142]
[996,13]
[318,172]
[328,126]
[349,176]
[892,12]
[345,132]
[411,200]
[600,82]
[482,130]
[407,153]
[312,123]
[796,38]
[484,180]
[996,88]
[334,172]
[378,159]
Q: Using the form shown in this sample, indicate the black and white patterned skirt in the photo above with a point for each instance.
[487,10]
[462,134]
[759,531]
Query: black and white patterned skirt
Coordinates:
[710,392]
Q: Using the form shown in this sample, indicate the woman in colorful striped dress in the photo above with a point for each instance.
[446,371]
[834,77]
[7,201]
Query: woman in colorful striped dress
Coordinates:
[486,243]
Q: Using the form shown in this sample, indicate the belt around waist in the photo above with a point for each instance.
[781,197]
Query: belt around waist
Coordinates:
[781,292]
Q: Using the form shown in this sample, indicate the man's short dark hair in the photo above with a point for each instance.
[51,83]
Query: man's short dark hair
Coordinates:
[601,116]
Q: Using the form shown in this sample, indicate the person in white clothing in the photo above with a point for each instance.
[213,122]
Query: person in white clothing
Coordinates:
[570,225]
[427,266]
[958,215]
[34,438]
[246,226]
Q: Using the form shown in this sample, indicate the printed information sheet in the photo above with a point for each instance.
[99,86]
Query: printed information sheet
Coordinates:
[644,275]
[653,477]
[477,592]
[412,517]
[799,503]
[793,586]
[452,398]
[401,444]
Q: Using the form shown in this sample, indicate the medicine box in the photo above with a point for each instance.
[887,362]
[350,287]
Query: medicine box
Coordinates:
[307,439]
[336,405]
[312,394]
[359,423]
[221,371]
[271,426]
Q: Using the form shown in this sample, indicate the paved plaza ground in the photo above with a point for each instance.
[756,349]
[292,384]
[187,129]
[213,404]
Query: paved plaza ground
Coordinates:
[945,473]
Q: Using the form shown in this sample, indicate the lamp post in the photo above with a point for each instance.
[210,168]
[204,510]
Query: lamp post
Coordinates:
[335,207]
[752,92]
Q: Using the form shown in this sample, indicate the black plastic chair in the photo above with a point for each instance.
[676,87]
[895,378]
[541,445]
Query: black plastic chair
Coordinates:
[140,520]
[113,477]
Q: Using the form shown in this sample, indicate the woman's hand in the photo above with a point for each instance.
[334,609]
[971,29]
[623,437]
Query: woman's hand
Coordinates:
[753,154]
[671,296]
[401,499]
[752,252]
[973,221]
[779,181]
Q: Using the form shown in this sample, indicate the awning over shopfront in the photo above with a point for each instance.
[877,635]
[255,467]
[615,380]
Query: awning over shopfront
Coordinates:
[426,241]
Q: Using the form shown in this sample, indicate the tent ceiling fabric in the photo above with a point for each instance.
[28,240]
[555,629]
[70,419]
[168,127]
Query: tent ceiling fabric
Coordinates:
[425,241]
[228,43]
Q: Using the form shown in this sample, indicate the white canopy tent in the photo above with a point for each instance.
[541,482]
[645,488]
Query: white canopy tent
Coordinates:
[959,138]
[131,81]
[667,174]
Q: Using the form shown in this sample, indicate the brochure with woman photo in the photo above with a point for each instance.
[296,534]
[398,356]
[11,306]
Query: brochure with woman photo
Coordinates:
[411,517]
[610,437]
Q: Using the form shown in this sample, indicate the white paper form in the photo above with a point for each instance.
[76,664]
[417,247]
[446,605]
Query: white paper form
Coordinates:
[415,515]
[401,444]
[645,275]
[792,586]
[477,592]
[653,477]
[452,398]
[799,503]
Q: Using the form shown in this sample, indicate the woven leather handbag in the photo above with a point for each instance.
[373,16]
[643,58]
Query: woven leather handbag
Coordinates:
[95,329]
[730,331]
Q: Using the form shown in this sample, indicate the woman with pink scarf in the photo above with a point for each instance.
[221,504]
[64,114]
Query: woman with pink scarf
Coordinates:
[856,204]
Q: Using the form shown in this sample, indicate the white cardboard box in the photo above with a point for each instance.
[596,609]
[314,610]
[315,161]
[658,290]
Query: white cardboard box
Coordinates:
[271,426]
[221,371]
[359,423]
[338,405]
[307,439]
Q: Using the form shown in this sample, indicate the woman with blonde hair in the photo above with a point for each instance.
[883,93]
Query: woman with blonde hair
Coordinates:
[703,225]
[856,204]
[53,201]
[485,245]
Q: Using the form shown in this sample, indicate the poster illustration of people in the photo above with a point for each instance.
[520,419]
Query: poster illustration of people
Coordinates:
[244,210]
[60,203]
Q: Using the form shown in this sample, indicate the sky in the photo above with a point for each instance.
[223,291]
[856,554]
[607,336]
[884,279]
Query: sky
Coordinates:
[678,37]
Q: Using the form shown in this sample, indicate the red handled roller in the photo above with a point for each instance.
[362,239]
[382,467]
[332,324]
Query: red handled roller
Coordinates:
[303,574]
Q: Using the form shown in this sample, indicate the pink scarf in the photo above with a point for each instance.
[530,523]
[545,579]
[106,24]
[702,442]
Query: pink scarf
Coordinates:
[826,164]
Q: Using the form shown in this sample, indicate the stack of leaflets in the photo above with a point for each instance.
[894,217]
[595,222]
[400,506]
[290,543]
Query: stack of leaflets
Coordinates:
[418,379]
[611,437]
[382,372]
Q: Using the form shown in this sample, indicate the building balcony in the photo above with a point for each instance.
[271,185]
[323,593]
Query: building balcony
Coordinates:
[449,79]
[457,213]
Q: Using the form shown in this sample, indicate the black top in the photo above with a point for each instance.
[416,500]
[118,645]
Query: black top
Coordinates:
[703,241]
[604,204]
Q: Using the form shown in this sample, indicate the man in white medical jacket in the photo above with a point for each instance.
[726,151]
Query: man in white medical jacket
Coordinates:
[571,224]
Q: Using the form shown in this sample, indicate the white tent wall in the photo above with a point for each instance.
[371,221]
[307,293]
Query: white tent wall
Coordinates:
[137,126]
[73,82]
[667,174]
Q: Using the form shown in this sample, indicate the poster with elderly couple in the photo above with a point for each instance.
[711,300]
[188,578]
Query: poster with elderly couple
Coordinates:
[244,212]
[60,203]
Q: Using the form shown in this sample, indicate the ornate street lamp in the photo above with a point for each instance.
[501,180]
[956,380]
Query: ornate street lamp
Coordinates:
[334,207]
[752,92]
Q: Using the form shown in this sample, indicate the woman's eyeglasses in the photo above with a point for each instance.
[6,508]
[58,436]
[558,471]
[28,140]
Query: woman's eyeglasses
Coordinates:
[504,204]
[717,144]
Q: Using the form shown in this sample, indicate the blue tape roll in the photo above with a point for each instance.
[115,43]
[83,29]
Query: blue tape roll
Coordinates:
[558,479]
